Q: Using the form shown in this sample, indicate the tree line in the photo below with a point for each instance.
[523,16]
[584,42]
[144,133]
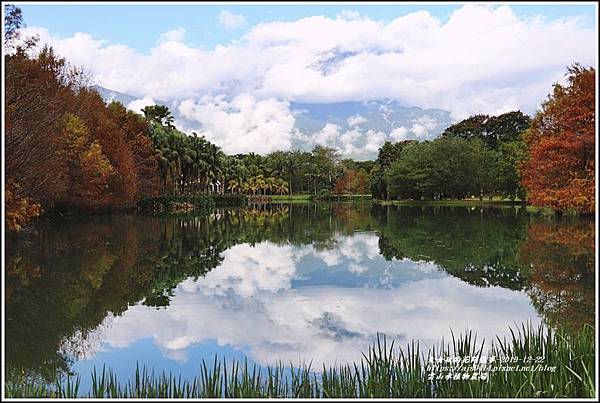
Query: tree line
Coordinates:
[192,164]
[67,149]
[547,160]
[477,156]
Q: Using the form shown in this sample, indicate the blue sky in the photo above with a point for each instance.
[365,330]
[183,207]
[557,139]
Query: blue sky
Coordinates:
[138,26]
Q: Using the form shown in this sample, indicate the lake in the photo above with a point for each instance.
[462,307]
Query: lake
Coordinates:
[284,282]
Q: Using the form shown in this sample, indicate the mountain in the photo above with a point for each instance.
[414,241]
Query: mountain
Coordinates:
[110,95]
[377,116]
[356,129]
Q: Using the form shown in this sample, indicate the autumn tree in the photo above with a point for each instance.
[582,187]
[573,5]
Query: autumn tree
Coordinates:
[88,169]
[352,182]
[64,146]
[20,210]
[345,183]
[36,102]
[559,172]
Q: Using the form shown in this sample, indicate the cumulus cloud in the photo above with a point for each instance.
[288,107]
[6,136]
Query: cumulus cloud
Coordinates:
[352,143]
[362,143]
[483,59]
[230,20]
[175,35]
[356,120]
[140,104]
[242,124]
[246,272]
[422,127]
[399,133]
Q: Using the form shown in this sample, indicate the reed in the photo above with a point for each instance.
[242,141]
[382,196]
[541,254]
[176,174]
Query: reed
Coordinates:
[383,372]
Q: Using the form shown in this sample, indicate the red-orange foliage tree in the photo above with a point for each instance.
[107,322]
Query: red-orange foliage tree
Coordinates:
[65,146]
[345,183]
[352,182]
[560,170]
[19,210]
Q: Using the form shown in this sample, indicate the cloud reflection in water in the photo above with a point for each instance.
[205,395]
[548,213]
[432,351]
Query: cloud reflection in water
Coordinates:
[268,300]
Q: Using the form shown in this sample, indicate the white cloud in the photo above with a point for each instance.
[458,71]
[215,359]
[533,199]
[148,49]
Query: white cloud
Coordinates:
[356,120]
[175,35]
[484,59]
[353,143]
[422,127]
[399,133]
[327,136]
[248,270]
[243,124]
[230,20]
[140,104]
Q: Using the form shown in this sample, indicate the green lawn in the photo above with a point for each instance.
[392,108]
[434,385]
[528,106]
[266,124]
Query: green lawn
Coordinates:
[496,201]
[295,197]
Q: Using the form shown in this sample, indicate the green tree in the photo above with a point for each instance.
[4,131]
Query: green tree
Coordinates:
[511,156]
[445,167]
[492,130]
[388,154]
[158,113]
[324,160]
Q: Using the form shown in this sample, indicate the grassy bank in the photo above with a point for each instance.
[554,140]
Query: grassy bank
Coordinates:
[295,197]
[496,202]
[342,198]
[187,204]
[304,198]
[384,371]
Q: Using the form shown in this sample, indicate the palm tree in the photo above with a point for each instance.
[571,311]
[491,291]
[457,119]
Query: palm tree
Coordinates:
[282,186]
[261,183]
[250,186]
[214,157]
[270,184]
[292,164]
[163,167]
[159,114]
[233,185]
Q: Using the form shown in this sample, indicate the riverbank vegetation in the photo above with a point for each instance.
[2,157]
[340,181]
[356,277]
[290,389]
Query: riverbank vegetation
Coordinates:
[384,371]
[547,161]
[67,150]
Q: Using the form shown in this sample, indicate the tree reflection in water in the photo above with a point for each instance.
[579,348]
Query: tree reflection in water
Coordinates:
[561,260]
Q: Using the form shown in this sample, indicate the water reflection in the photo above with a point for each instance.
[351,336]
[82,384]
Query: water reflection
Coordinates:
[285,282]
[561,260]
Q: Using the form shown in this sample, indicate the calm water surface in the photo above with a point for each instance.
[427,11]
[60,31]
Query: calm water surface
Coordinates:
[293,282]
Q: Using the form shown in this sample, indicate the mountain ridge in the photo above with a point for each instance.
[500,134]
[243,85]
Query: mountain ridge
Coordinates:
[356,128]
